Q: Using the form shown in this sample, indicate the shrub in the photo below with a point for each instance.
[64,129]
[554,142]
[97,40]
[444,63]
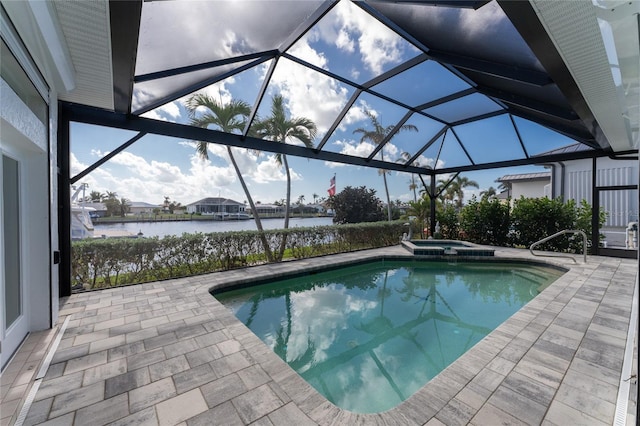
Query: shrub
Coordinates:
[357,205]
[485,221]
[533,219]
[448,221]
[583,223]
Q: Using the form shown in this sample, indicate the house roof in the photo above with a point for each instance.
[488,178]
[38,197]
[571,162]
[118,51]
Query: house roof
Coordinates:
[215,201]
[525,177]
[575,147]
[143,205]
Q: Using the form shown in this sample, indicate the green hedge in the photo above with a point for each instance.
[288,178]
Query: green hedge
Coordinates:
[485,222]
[530,220]
[113,262]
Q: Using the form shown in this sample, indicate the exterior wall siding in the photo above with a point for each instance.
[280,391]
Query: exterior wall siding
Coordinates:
[620,205]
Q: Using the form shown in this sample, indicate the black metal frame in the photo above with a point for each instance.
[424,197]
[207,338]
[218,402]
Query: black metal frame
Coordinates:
[595,215]
[82,114]
[125,26]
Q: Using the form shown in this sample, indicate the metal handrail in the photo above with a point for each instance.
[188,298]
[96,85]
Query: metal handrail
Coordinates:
[566,231]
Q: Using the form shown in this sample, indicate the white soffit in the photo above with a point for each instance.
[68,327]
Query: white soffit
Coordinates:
[49,27]
[610,91]
[85,25]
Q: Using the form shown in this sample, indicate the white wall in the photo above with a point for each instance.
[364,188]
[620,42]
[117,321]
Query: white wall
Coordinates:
[528,189]
[621,205]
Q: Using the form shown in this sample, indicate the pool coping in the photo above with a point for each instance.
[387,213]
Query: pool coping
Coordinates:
[558,357]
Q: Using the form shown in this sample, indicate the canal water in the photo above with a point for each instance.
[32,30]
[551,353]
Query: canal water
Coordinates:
[160,229]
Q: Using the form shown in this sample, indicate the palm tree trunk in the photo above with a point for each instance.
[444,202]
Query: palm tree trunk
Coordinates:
[386,189]
[256,217]
[413,183]
[283,243]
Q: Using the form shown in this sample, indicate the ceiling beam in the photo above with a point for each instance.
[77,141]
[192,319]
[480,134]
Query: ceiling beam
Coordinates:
[203,66]
[101,117]
[532,104]
[124,19]
[509,72]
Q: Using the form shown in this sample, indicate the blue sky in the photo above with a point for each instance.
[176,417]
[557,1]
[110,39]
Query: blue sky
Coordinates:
[349,43]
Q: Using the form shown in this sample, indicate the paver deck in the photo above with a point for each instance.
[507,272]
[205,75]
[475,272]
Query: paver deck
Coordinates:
[167,353]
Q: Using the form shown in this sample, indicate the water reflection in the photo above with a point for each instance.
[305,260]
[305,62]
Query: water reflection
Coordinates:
[367,337]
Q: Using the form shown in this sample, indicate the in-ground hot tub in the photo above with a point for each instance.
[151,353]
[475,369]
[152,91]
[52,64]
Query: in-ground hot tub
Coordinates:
[446,247]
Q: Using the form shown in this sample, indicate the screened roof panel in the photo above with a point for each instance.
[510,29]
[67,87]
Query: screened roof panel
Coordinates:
[347,140]
[463,108]
[429,157]
[410,141]
[350,43]
[492,139]
[538,139]
[546,94]
[421,84]
[337,59]
[321,101]
[152,93]
[174,34]
[485,33]
[451,155]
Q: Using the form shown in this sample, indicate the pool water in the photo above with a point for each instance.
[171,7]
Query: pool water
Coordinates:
[369,336]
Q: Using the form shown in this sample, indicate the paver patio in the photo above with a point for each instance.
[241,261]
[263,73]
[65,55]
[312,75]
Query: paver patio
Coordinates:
[168,353]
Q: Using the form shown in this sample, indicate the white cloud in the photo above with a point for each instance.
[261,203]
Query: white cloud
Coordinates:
[357,113]
[478,24]
[308,93]
[144,180]
[353,30]
[166,112]
[352,147]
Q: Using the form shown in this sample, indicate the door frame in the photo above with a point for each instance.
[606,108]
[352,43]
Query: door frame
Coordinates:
[13,335]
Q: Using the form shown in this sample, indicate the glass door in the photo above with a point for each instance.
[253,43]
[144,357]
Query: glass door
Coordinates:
[619,233]
[14,323]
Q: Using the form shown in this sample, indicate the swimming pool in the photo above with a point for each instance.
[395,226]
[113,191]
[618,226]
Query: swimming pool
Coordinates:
[368,336]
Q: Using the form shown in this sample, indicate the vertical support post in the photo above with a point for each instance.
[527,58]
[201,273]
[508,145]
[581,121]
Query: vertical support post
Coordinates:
[595,209]
[432,210]
[64,203]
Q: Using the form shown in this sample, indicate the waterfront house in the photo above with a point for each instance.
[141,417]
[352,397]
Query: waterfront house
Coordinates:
[216,206]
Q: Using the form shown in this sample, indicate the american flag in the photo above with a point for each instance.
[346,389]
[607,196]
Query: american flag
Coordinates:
[332,186]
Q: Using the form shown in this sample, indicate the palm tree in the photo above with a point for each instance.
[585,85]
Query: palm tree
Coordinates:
[457,187]
[315,197]
[448,193]
[125,206]
[421,209]
[505,186]
[96,196]
[376,135]
[404,157]
[278,128]
[489,193]
[228,118]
